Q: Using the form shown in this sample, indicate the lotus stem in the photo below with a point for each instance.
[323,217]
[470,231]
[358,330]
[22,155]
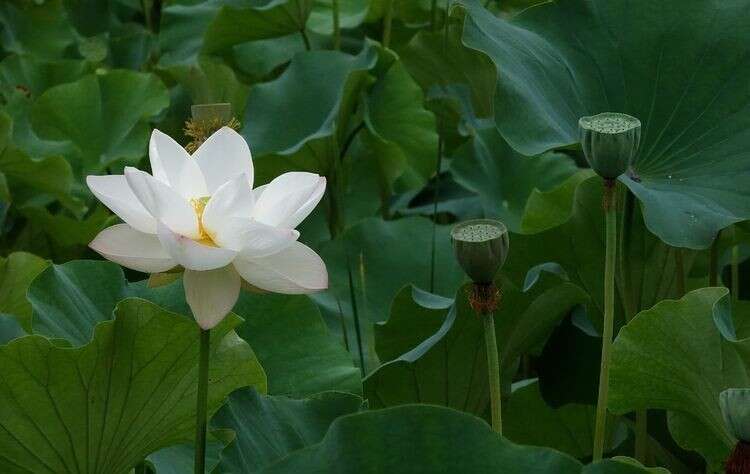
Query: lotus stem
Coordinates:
[433,15]
[435,200]
[357,327]
[336,25]
[610,210]
[387,24]
[641,435]
[493,369]
[201,412]
[679,263]
[305,39]
[736,273]
[438,166]
[713,262]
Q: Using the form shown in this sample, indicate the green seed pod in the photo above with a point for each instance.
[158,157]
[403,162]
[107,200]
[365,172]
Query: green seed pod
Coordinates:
[610,142]
[481,247]
[735,407]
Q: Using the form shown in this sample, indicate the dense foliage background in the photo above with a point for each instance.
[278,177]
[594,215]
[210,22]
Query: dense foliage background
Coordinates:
[419,117]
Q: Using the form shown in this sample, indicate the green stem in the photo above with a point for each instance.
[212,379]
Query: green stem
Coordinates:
[435,200]
[641,435]
[438,168]
[336,25]
[679,263]
[201,412]
[493,370]
[148,13]
[713,262]
[387,23]
[357,327]
[609,316]
[630,306]
[433,16]
[343,325]
[305,39]
[736,272]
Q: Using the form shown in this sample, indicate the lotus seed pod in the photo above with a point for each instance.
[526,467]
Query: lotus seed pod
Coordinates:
[735,407]
[610,142]
[481,247]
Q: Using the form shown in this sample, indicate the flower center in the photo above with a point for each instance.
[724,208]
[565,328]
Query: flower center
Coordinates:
[199,205]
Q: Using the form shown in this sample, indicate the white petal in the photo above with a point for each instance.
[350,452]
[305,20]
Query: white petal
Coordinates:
[171,164]
[233,199]
[113,191]
[211,294]
[289,198]
[296,269]
[191,254]
[132,249]
[257,240]
[163,203]
[223,156]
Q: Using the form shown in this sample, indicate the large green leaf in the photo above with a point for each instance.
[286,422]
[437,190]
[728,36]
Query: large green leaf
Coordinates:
[267,19]
[106,405]
[450,366]
[103,116]
[679,356]
[35,28]
[181,30]
[383,257]
[294,346]
[28,178]
[567,227]
[268,428]
[568,429]
[502,178]
[351,14]
[415,315]
[295,117]
[435,68]
[396,118]
[676,66]
[69,300]
[287,333]
[17,271]
[421,439]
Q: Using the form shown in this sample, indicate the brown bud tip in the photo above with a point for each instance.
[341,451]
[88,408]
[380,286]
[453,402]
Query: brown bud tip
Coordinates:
[484,298]
[739,460]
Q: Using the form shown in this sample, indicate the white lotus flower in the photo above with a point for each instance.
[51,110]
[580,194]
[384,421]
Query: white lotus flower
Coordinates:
[201,212]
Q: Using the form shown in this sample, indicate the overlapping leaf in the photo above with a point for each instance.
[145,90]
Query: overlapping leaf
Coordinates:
[679,356]
[269,428]
[106,405]
[677,67]
[450,366]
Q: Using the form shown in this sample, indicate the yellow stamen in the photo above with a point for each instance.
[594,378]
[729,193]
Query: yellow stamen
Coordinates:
[199,205]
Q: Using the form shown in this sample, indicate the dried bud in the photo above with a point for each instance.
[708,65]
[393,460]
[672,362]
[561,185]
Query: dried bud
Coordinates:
[481,247]
[610,142]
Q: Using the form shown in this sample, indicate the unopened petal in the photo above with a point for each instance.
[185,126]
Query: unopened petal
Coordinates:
[115,193]
[295,270]
[166,205]
[211,294]
[288,199]
[132,249]
[222,157]
[191,254]
[171,164]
